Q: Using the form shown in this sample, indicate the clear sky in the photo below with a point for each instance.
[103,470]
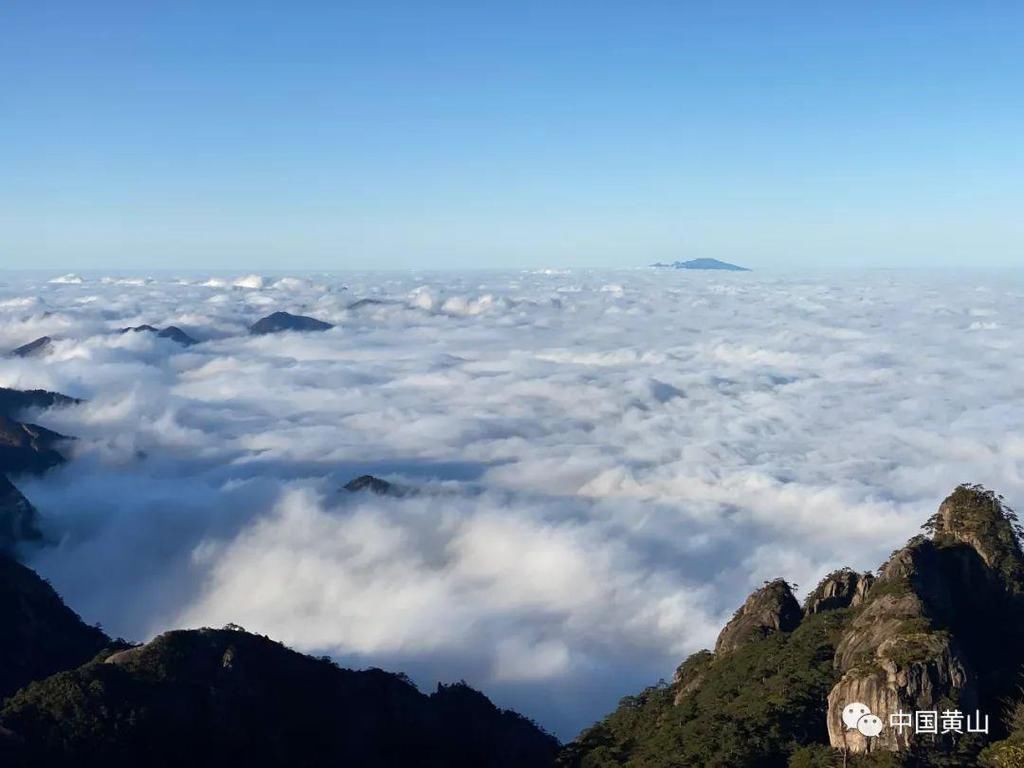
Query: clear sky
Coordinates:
[331,134]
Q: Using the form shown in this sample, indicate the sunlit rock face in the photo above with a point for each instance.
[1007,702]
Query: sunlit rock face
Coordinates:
[938,628]
[771,609]
[844,588]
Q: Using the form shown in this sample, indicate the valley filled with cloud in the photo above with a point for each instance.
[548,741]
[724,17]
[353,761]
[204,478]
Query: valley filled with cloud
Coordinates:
[602,464]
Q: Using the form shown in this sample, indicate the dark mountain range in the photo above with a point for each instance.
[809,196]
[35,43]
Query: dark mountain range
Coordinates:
[24,448]
[224,697]
[940,629]
[284,321]
[171,332]
[34,348]
[28,447]
[12,401]
[702,264]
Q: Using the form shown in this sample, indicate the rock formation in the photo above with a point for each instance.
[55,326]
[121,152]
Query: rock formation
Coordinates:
[770,609]
[941,628]
[844,588]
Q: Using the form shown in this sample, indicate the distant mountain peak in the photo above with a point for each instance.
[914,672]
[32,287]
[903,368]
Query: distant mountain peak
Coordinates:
[285,321]
[171,332]
[702,264]
[39,347]
[377,486]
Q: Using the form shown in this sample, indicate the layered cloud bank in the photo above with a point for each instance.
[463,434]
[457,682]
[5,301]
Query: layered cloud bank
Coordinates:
[608,462]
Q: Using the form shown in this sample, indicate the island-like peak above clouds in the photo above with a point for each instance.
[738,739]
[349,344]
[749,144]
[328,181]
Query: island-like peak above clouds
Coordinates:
[171,332]
[35,348]
[702,264]
[285,321]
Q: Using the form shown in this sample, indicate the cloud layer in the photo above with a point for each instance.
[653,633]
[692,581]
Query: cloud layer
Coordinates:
[610,461]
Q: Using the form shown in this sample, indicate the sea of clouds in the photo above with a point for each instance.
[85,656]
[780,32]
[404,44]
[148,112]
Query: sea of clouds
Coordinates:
[609,462]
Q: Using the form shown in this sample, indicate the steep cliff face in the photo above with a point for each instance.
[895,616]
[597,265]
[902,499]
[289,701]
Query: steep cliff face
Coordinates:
[769,610]
[979,519]
[937,629]
[691,673]
[941,627]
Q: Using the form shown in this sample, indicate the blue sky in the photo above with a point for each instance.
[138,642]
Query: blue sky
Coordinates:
[192,134]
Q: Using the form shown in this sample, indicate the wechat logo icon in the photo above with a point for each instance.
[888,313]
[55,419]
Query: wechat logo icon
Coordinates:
[857,717]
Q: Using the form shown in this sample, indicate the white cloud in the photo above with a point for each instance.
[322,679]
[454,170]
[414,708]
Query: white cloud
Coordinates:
[612,461]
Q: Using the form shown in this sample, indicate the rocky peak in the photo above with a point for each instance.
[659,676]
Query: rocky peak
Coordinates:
[979,518]
[772,608]
[844,588]
[939,624]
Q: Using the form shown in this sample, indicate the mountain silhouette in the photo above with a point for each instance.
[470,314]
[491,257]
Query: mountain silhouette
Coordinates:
[284,321]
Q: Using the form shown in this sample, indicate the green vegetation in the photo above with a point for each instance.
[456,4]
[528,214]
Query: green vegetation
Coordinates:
[755,706]
[226,697]
[982,517]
